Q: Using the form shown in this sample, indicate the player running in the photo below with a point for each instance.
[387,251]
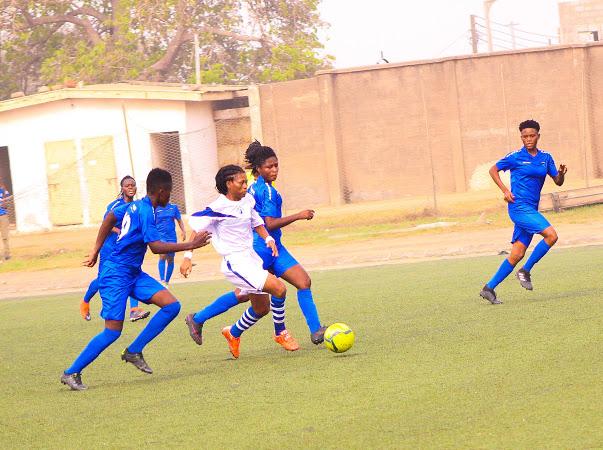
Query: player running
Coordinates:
[122,276]
[165,217]
[126,195]
[529,167]
[231,219]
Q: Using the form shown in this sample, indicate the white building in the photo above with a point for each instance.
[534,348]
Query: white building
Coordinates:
[63,152]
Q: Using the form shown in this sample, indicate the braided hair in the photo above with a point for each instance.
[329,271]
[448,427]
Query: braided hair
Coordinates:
[529,124]
[121,185]
[226,173]
[256,154]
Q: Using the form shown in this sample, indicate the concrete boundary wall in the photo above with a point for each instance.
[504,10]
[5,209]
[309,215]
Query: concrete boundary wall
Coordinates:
[396,130]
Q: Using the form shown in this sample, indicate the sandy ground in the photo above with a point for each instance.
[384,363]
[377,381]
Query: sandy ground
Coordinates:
[382,250]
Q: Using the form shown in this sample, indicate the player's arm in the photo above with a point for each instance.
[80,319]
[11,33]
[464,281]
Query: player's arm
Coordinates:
[263,233]
[105,229]
[182,228]
[509,197]
[274,223]
[559,179]
[200,239]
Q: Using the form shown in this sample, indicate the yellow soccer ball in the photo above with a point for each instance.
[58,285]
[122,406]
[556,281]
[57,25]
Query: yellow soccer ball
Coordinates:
[339,338]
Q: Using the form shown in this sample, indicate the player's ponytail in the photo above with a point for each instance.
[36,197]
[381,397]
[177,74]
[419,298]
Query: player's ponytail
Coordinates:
[226,173]
[256,154]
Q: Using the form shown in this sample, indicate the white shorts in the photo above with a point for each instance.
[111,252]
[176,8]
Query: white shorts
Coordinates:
[244,270]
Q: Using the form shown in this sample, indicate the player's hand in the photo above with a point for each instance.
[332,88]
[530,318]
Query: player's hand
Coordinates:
[201,239]
[509,197]
[306,214]
[186,266]
[272,246]
[90,260]
[562,169]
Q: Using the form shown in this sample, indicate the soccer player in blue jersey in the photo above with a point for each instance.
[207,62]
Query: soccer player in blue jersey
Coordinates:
[263,162]
[128,191]
[165,217]
[122,276]
[529,167]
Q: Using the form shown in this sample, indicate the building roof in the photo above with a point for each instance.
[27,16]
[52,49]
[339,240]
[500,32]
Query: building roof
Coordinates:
[131,91]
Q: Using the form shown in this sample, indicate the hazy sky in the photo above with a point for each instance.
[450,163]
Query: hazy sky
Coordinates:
[408,30]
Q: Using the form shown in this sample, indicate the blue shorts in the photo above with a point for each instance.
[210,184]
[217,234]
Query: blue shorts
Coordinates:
[276,265]
[116,284]
[527,224]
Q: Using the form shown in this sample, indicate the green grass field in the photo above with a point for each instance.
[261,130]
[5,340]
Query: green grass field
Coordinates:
[433,366]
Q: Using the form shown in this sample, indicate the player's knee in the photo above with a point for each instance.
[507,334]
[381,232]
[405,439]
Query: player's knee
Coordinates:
[241,298]
[514,258]
[551,237]
[306,283]
[280,289]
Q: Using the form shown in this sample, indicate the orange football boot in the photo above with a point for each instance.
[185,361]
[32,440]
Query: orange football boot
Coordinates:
[285,340]
[85,310]
[233,342]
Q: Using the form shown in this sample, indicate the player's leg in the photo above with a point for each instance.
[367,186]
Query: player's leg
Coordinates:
[521,241]
[220,305]
[161,267]
[114,289]
[169,267]
[149,290]
[549,239]
[260,306]
[298,277]
[4,232]
[85,302]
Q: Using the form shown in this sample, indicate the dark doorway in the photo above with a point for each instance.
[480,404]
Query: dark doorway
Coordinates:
[6,176]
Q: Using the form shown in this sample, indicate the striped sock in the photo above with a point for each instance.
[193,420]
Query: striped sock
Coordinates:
[248,319]
[277,305]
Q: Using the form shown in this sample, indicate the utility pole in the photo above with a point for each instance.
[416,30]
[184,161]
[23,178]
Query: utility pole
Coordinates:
[197,62]
[474,38]
[487,6]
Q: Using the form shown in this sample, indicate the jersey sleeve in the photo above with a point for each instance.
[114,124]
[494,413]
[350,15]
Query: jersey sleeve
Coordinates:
[149,230]
[551,168]
[256,220]
[177,214]
[203,220]
[507,163]
[119,212]
[268,206]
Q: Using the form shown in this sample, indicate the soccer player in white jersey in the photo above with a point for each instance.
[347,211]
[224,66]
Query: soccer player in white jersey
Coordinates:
[231,219]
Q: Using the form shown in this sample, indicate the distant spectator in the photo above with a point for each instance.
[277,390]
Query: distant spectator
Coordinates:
[4,196]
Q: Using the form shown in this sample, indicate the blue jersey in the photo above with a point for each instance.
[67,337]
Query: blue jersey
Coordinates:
[268,203]
[3,194]
[527,177]
[137,230]
[164,217]
[109,243]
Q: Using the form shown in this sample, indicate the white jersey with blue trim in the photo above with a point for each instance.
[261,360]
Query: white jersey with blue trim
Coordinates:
[230,223]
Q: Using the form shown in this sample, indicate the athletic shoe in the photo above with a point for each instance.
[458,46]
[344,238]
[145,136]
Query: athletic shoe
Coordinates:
[233,342]
[524,279]
[194,329]
[137,359]
[285,340]
[74,381]
[85,310]
[489,295]
[138,314]
[318,336]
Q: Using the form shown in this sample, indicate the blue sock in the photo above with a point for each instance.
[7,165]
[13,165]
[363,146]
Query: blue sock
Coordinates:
[277,305]
[539,251]
[94,348]
[503,272]
[220,305]
[306,303]
[170,270]
[248,319]
[161,267]
[156,325]
[133,303]
[92,290]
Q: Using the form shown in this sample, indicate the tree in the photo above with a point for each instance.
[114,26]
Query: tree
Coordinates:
[100,41]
